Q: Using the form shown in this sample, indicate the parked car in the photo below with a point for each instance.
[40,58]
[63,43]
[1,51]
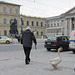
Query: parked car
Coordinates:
[54,42]
[5,39]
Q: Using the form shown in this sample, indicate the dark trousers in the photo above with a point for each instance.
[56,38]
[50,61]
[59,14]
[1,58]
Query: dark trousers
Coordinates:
[27,53]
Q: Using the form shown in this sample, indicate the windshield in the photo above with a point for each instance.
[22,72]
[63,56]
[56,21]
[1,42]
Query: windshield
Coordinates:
[51,38]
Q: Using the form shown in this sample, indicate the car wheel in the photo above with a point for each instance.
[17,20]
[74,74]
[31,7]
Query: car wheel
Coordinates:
[7,42]
[73,51]
[48,49]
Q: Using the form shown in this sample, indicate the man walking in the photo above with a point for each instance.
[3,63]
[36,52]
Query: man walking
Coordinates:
[26,40]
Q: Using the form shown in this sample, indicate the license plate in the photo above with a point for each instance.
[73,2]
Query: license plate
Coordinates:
[48,43]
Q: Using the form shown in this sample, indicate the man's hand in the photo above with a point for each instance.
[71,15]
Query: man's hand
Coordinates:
[35,47]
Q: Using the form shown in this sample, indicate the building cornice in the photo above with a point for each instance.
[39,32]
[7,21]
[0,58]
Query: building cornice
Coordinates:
[69,10]
[3,2]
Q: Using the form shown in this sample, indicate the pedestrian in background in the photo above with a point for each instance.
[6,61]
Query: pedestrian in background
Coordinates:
[26,40]
[19,38]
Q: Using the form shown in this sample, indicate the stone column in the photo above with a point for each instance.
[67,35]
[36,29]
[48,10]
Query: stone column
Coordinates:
[65,27]
[70,25]
[62,27]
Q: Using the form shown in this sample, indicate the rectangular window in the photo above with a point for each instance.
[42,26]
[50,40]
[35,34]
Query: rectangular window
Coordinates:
[16,11]
[5,33]
[10,10]
[57,24]
[54,24]
[4,21]
[51,25]
[36,23]
[32,23]
[27,23]
[4,10]
[41,24]
[3,37]
[72,26]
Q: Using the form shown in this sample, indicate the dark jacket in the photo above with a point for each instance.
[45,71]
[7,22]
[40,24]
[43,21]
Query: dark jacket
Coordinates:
[27,38]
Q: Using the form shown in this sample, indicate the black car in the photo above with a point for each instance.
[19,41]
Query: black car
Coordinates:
[54,42]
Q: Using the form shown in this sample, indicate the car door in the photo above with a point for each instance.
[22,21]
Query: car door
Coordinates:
[65,41]
[3,38]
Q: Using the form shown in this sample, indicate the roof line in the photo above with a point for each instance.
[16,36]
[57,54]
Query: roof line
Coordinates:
[3,2]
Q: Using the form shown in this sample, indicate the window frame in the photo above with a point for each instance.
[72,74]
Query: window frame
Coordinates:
[10,10]
[27,23]
[16,11]
[5,21]
[37,23]
[32,23]
[4,10]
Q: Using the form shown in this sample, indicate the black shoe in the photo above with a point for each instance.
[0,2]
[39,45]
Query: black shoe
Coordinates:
[29,60]
[27,63]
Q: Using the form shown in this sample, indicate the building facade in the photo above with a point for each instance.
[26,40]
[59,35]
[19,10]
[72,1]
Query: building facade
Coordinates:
[9,12]
[61,25]
[54,26]
[69,21]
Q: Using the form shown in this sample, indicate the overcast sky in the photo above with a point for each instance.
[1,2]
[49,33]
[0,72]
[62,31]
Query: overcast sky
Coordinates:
[43,8]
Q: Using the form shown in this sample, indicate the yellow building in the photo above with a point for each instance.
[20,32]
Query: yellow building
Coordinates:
[10,11]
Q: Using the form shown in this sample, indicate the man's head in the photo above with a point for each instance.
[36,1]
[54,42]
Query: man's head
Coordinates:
[28,28]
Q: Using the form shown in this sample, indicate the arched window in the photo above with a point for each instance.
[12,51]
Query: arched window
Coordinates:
[32,23]
[27,23]
[5,32]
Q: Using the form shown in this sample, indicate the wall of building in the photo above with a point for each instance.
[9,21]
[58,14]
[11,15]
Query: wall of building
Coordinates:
[8,16]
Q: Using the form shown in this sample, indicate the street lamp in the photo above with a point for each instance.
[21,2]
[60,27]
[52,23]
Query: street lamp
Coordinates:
[21,23]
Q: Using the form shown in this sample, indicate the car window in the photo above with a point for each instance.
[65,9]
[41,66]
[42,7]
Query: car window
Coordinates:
[64,39]
[3,37]
[0,37]
[52,38]
[68,37]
